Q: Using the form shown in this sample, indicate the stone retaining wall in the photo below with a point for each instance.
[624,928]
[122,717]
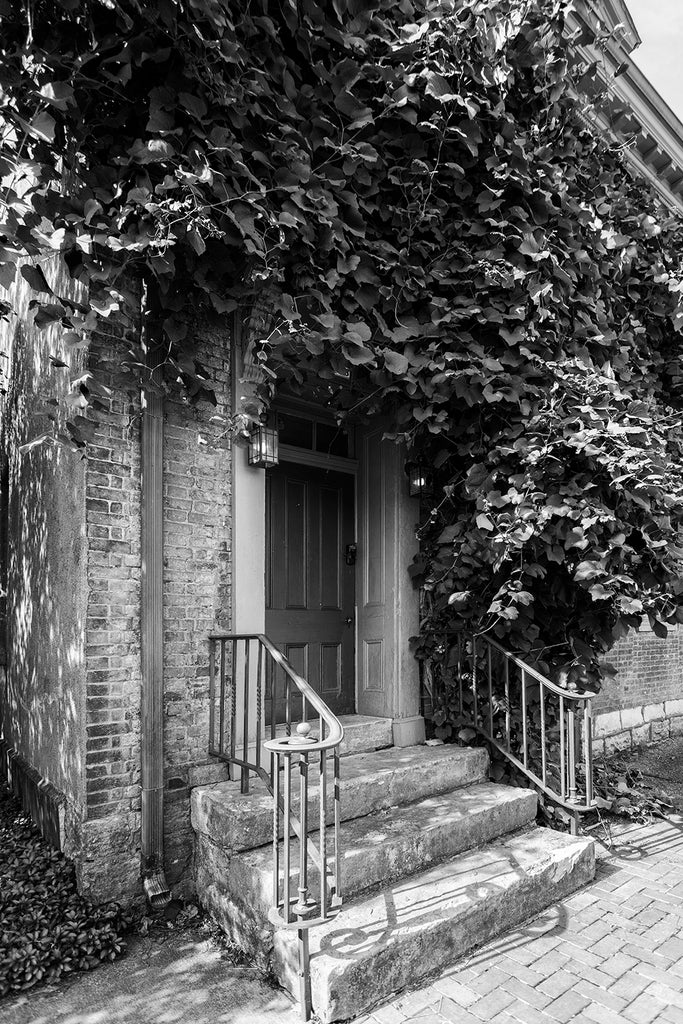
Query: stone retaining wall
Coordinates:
[632,727]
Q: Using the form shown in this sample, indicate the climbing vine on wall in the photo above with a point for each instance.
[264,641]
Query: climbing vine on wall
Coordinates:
[441,235]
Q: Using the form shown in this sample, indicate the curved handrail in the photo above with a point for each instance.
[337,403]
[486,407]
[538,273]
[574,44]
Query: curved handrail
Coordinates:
[485,667]
[530,670]
[291,744]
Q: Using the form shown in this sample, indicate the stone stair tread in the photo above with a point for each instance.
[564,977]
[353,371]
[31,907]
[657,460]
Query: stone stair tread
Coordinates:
[369,782]
[417,926]
[398,841]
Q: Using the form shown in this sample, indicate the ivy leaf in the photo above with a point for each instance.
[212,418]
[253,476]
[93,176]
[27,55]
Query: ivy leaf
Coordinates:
[151,151]
[439,87]
[484,523]
[43,126]
[35,278]
[58,94]
[587,571]
[8,272]
[659,628]
[395,362]
[358,354]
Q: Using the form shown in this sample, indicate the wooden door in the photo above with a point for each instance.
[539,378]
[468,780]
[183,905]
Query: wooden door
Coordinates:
[310,587]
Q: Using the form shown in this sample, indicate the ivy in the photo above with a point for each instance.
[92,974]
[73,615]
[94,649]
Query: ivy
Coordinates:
[415,196]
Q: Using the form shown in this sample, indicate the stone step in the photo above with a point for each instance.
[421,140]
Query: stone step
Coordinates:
[376,850]
[362,734]
[418,926]
[369,782]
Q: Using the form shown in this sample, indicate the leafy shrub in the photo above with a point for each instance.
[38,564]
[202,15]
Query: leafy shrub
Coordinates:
[46,928]
[410,211]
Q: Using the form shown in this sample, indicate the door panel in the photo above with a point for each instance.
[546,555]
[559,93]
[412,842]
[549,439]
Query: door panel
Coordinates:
[310,590]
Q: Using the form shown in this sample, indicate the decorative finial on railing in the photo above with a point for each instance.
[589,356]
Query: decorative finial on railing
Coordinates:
[302,736]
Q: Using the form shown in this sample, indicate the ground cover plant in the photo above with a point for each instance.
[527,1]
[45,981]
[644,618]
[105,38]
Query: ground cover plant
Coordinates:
[414,197]
[47,929]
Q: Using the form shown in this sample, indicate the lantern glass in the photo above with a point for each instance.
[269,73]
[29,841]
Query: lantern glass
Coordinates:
[419,480]
[263,447]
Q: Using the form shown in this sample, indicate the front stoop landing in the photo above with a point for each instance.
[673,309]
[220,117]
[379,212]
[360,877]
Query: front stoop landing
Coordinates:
[436,861]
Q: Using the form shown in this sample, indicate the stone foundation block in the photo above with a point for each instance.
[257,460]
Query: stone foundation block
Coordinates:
[631,718]
[660,730]
[606,724]
[653,712]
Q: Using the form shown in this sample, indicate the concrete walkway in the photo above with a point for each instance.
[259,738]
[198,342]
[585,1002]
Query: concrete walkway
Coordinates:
[611,954]
[172,978]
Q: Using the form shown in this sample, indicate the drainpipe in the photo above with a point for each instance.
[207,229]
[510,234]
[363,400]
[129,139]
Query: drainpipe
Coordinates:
[152,700]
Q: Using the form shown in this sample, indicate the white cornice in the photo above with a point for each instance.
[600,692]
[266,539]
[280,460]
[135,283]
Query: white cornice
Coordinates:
[633,109]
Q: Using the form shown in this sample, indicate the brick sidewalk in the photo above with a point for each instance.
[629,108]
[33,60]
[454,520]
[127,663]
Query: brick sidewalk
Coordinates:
[610,954]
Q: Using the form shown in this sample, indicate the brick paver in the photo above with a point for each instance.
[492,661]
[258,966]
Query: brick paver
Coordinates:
[610,954]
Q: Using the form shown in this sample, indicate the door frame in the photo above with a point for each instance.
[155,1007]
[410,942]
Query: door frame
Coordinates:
[400,700]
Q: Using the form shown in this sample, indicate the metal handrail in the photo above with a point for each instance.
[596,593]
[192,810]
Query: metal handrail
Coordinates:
[490,715]
[250,667]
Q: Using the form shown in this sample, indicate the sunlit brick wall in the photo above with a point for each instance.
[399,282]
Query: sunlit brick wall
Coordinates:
[196,601]
[644,701]
[108,851]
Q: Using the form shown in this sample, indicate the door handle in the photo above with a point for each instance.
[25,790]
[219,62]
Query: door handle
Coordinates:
[350,554]
[349,620]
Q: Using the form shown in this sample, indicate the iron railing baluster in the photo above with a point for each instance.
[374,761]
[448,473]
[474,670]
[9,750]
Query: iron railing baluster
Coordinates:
[544,774]
[233,702]
[307,910]
[588,746]
[259,701]
[287,824]
[301,908]
[245,718]
[488,661]
[475,710]
[571,753]
[322,826]
[337,824]
[460,671]
[221,710]
[507,701]
[563,770]
[525,748]
[212,696]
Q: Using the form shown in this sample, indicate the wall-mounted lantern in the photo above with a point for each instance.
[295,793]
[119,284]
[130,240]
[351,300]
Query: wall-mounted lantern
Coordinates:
[420,480]
[263,447]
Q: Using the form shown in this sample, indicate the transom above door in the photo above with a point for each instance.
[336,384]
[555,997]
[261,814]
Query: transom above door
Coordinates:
[310,576]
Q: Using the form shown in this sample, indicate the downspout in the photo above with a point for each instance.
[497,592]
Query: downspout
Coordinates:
[152,648]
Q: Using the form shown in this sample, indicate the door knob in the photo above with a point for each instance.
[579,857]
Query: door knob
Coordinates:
[349,620]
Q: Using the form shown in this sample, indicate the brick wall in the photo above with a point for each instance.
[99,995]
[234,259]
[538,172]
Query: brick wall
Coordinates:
[196,600]
[644,701]
[106,845]
[197,577]
[649,671]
